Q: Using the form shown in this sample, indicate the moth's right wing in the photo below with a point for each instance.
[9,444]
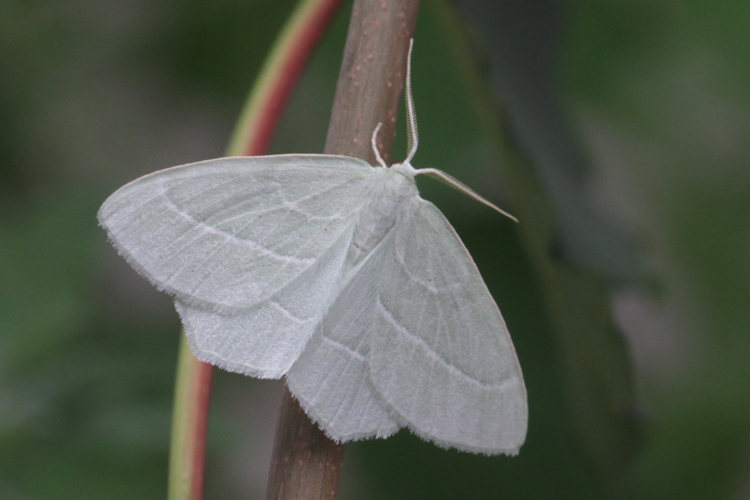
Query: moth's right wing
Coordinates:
[229,234]
[440,354]
[331,378]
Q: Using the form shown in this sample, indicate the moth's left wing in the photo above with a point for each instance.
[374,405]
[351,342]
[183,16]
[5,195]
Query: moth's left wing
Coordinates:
[440,353]
[251,248]
[228,234]
[264,340]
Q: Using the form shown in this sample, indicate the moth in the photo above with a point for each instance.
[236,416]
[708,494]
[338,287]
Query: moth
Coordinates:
[339,276]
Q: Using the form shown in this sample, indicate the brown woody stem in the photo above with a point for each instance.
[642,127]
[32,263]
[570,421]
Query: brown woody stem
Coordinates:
[306,464]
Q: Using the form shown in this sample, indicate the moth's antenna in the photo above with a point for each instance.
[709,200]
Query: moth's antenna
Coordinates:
[460,186]
[412,136]
[375,145]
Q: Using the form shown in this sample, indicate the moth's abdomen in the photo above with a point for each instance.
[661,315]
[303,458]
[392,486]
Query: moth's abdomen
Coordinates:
[391,197]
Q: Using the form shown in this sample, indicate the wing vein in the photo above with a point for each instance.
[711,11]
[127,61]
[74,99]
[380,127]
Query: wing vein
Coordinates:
[286,313]
[343,347]
[386,314]
[253,245]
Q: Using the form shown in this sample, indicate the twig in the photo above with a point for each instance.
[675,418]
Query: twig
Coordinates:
[305,463]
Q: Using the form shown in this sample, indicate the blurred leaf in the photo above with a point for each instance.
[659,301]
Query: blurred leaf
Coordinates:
[519,41]
[519,44]
[661,89]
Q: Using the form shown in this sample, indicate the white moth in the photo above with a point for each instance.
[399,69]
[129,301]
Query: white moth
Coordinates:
[339,276]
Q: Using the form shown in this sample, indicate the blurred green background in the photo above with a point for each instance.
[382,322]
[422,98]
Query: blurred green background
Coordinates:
[631,115]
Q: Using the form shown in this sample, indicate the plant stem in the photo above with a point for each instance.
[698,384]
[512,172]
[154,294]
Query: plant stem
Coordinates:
[305,463]
[279,76]
[187,456]
[251,137]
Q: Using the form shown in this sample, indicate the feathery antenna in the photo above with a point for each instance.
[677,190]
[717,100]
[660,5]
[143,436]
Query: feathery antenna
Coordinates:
[412,135]
[374,141]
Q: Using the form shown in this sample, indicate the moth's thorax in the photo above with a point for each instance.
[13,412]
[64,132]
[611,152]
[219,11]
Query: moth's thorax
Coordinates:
[391,196]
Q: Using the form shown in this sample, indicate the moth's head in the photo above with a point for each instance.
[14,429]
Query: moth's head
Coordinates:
[399,182]
[404,168]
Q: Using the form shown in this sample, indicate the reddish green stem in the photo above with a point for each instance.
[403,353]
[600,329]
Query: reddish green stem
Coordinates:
[192,392]
[279,76]
[251,137]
